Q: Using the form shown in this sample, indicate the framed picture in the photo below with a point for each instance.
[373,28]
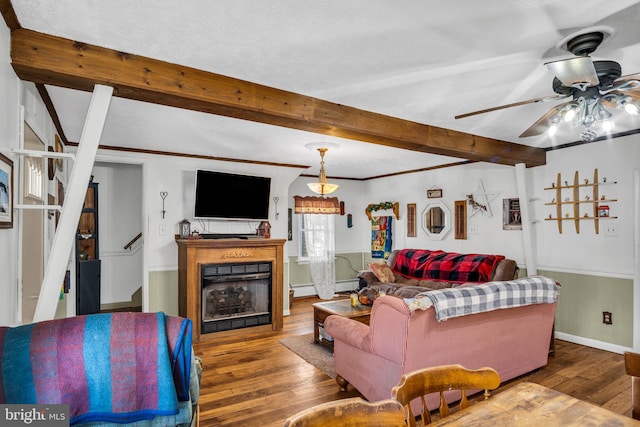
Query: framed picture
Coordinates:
[6,192]
[411,220]
[511,217]
[59,149]
[434,193]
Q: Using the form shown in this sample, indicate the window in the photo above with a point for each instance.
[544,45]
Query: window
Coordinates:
[303,255]
[34,181]
[313,227]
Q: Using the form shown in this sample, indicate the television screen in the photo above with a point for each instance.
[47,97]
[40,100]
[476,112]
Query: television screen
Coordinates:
[230,196]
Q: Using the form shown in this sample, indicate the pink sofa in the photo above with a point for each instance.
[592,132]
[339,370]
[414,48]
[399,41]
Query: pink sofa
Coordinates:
[401,338]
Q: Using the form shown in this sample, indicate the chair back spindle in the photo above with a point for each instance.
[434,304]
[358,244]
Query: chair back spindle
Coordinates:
[441,379]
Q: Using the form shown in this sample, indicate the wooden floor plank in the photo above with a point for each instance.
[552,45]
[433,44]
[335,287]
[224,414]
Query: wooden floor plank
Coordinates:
[250,378]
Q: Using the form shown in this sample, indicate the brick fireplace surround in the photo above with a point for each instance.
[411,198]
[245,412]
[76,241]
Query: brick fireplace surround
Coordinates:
[192,254]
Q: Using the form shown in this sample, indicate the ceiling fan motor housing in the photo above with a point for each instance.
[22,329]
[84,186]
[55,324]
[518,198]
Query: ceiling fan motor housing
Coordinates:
[585,44]
[607,71]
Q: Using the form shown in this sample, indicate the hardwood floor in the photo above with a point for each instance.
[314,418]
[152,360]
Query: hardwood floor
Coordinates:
[249,378]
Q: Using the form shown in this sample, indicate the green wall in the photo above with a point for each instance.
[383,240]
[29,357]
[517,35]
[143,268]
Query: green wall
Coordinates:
[163,292]
[582,300]
[347,267]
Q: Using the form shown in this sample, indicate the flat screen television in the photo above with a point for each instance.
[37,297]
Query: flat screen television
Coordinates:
[220,195]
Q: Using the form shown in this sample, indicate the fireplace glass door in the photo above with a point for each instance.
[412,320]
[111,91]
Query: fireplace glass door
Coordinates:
[235,296]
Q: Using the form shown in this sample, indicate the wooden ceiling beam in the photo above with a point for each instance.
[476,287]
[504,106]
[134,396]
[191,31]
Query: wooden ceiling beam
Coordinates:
[62,62]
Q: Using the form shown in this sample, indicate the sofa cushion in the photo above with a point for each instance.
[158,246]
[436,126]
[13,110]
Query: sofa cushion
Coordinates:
[382,272]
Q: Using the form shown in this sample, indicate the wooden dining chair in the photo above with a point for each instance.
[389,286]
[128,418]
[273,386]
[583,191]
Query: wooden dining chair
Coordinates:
[632,366]
[353,412]
[439,379]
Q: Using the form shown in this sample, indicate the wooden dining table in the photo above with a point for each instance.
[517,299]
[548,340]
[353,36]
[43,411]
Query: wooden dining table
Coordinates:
[529,404]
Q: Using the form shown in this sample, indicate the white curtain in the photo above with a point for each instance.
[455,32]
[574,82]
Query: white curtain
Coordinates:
[321,248]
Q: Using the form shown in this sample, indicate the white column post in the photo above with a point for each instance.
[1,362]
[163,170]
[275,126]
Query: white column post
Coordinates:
[73,202]
[636,260]
[527,226]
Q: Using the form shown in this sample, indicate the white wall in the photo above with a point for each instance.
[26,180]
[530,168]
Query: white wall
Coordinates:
[456,182]
[8,139]
[588,252]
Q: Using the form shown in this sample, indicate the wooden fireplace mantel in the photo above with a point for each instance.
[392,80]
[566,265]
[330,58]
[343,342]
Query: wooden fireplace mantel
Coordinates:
[193,253]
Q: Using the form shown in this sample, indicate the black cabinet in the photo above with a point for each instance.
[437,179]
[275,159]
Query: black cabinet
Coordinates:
[88,255]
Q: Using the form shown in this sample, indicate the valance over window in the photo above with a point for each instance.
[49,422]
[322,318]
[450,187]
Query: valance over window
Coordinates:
[316,205]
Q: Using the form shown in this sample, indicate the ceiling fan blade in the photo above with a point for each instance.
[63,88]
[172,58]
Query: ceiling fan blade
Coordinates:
[515,104]
[543,123]
[629,83]
[574,71]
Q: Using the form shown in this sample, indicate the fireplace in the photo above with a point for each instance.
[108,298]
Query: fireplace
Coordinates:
[235,296]
[219,253]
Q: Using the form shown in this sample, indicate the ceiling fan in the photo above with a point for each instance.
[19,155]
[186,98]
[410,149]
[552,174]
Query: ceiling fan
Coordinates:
[592,85]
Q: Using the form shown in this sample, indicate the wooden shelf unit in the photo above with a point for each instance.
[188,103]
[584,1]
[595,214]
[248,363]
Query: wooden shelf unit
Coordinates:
[576,201]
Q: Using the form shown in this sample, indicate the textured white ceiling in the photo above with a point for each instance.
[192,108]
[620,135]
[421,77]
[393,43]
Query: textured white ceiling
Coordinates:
[421,60]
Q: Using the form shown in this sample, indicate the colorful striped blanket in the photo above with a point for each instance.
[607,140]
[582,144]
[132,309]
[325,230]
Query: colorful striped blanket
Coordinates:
[119,367]
[465,300]
[447,266]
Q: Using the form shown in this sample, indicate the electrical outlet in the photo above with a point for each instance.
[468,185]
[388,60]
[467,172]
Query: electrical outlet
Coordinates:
[162,230]
[611,229]
[607,318]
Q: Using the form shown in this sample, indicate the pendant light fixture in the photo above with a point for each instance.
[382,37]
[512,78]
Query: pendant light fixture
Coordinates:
[322,187]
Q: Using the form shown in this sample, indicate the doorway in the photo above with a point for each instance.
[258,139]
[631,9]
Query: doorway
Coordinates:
[120,226]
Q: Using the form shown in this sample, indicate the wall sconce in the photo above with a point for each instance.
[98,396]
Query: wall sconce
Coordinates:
[164,195]
[276,199]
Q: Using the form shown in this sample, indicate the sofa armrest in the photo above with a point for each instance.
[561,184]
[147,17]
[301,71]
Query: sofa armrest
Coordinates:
[350,331]
[505,269]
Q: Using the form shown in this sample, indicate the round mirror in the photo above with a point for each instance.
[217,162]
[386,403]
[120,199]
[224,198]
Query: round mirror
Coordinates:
[436,220]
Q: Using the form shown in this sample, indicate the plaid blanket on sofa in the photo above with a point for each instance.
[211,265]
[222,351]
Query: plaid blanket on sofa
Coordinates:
[462,301]
[449,266]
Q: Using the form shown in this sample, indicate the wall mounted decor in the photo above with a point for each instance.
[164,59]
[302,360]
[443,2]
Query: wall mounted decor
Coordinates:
[276,199]
[480,200]
[434,193]
[58,149]
[579,201]
[383,206]
[411,220]
[511,216]
[163,195]
[460,219]
[6,192]
[436,220]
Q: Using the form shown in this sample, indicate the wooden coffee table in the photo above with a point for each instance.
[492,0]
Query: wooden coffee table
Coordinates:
[322,310]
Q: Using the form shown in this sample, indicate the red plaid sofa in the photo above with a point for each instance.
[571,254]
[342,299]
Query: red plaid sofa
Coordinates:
[417,270]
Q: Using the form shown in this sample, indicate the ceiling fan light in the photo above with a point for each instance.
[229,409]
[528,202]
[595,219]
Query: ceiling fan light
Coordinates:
[607,125]
[553,129]
[569,115]
[631,108]
[602,113]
